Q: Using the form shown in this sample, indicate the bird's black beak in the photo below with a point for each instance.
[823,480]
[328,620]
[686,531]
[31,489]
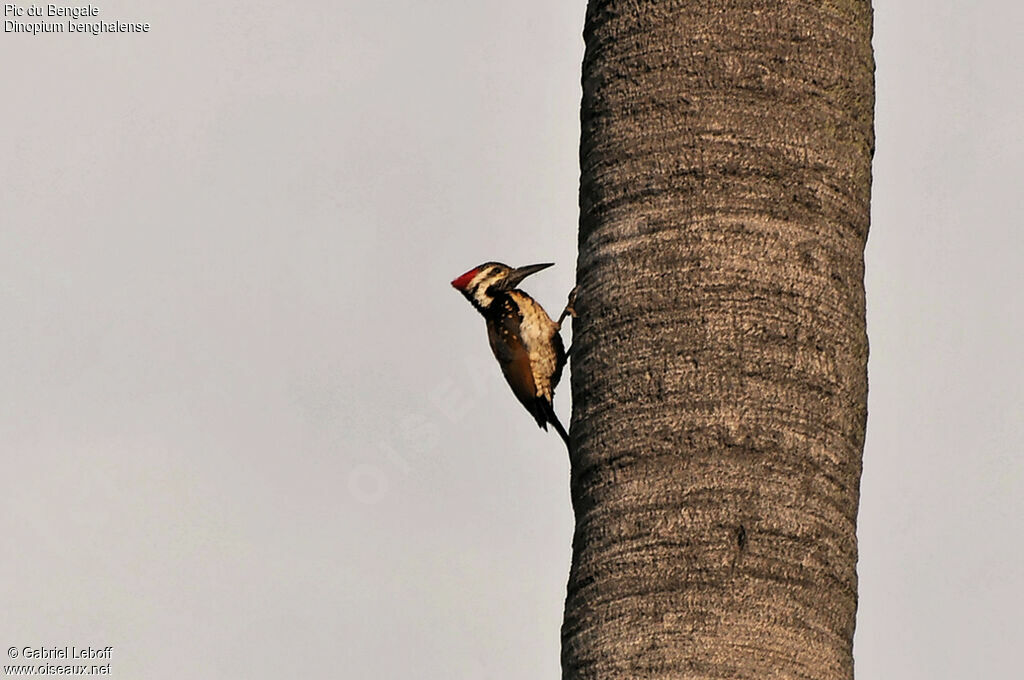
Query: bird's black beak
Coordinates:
[521,273]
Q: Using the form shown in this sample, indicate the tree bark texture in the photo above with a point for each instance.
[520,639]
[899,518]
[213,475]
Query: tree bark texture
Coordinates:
[719,368]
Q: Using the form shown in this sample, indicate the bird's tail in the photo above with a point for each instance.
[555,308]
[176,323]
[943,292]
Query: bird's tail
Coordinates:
[549,411]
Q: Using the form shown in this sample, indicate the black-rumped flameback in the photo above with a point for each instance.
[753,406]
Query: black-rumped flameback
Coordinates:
[524,339]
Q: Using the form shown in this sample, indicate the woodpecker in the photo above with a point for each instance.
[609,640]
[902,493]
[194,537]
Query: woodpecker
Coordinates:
[524,339]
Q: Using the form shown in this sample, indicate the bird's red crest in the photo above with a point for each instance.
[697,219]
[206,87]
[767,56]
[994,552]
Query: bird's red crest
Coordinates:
[463,281]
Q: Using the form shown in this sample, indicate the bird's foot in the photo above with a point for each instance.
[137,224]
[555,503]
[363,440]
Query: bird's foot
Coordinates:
[570,309]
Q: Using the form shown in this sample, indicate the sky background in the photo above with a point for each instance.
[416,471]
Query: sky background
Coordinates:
[248,430]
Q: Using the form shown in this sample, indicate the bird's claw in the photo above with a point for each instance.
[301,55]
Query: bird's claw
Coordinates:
[570,308]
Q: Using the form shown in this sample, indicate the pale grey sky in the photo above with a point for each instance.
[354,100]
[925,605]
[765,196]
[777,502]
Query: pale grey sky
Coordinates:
[247,429]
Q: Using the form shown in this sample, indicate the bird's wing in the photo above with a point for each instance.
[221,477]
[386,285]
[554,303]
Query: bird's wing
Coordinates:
[514,360]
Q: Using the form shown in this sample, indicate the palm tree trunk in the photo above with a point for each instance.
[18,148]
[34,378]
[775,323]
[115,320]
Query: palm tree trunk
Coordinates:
[719,364]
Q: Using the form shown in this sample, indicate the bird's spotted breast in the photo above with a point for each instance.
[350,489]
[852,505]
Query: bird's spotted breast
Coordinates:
[536,331]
